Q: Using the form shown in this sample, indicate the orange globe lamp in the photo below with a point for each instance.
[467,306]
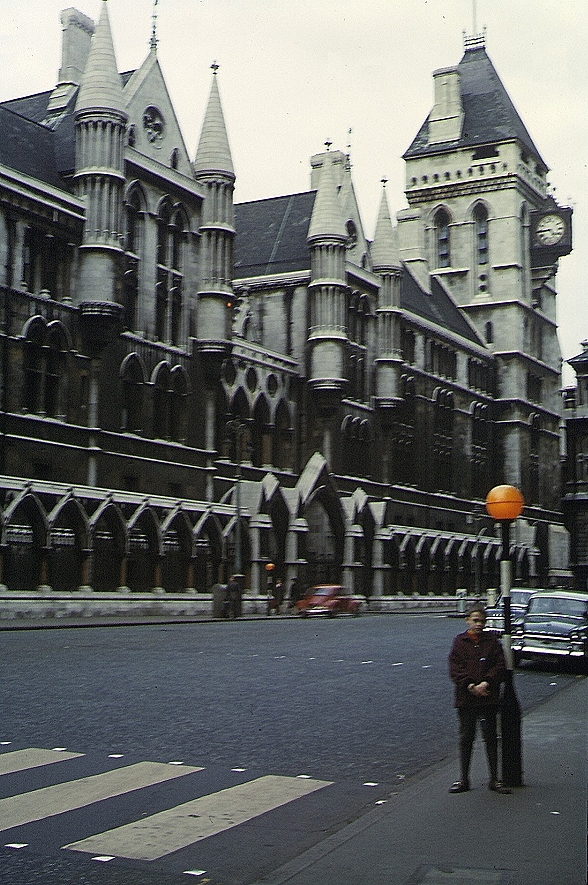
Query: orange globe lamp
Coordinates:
[504,503]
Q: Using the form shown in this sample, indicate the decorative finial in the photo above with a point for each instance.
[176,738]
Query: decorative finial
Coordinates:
[328,144]
[153,41]
[476,40]
[384,181]
[214,67]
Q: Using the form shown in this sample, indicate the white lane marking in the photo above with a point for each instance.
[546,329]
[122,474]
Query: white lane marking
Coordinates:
[169,831]
[194,872]
[20,760]
[48,801]
[16,845]
[103,858]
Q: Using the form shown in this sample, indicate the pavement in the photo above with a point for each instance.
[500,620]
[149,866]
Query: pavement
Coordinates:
[423,835]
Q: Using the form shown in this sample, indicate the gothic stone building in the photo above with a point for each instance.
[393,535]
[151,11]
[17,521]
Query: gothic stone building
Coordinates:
[192,387]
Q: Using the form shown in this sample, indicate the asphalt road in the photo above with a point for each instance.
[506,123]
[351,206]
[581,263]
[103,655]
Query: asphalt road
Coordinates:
[355,706]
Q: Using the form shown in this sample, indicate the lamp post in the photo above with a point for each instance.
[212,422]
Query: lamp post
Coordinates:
[504,504]
[238,428]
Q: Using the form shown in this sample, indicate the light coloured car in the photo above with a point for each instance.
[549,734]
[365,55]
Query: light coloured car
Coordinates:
[555,627]
[519,599]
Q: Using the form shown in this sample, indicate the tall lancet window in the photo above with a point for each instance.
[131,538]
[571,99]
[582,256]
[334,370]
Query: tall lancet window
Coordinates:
[442,239]
[170,275]
[133,251]
[481,228]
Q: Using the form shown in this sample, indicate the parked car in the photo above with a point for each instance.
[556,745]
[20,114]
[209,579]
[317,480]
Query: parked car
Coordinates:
[519,598]
[555,627]
[329,600]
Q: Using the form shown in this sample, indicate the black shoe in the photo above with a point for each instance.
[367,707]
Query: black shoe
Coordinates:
[498,787]
[459,787]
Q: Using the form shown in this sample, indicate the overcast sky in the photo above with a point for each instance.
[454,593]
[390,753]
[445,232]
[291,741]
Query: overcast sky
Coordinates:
[295,73]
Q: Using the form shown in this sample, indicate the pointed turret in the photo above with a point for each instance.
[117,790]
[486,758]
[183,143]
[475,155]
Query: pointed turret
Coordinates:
[213,169]
[101,88]
[385,243]
[327,217]
[213,154]
[100,120]
[328,291]
[388,361]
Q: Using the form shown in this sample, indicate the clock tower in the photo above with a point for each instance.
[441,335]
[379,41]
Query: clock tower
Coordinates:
[481,220]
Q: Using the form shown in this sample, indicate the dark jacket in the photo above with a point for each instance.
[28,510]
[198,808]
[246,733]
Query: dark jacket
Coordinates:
[476,660]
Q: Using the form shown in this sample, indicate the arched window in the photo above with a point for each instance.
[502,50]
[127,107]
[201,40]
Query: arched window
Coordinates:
[481,232]
[162,397]
[170,276]
[133,386]
[133,253]
[179,395]
[45,357]
[442,242]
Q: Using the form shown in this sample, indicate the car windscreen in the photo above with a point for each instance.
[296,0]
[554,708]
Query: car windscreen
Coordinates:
[573,608]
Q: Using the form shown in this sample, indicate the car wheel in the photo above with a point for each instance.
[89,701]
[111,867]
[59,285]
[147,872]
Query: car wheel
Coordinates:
[516,657]
[303,614]
[356,612]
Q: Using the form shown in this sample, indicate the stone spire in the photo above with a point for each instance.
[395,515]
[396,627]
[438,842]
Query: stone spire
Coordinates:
[385,243]
[214,154]
[101,88]
[327,216]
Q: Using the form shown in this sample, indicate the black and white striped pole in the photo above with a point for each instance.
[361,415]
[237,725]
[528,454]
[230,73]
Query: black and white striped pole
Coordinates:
[504,504]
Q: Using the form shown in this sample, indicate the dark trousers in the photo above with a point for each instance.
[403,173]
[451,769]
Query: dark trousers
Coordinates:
[468,719]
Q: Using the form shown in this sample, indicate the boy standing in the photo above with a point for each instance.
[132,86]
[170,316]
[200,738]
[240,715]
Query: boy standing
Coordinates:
[477,669]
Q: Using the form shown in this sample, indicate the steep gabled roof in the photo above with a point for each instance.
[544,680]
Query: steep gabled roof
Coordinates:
[489,114]
[437,307]
[271,235]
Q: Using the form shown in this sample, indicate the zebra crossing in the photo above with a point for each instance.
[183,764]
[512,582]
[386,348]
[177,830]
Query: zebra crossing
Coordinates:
[39,789]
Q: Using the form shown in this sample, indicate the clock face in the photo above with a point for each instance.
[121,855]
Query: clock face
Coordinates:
[550,230]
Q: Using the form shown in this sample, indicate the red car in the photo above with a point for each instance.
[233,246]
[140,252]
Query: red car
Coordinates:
[329,600]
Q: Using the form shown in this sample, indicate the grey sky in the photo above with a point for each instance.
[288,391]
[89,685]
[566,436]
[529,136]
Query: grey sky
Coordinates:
[294,74]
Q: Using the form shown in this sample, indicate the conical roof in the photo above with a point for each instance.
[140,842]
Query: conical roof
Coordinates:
[327,216]
[213,153]
[384,247]
[101,87]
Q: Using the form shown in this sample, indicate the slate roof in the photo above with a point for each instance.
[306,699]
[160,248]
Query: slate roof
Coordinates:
[437,307]
[42,150]
[489,114]
[28,147]
[271,239]
[271,235]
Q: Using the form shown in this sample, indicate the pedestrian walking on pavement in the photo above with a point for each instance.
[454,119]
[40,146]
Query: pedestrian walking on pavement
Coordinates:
[477,669]
[294,593]
[233,593]
[279,595]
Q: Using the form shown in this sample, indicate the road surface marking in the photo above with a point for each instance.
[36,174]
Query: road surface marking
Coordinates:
[49,801]
[154,837]
[20,760]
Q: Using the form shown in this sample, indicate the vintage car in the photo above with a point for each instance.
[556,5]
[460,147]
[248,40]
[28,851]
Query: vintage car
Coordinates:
[329,600]
[519,599]
[555,627]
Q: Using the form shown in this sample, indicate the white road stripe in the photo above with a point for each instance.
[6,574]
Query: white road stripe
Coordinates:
[20,760]
[48,801]
[154,837]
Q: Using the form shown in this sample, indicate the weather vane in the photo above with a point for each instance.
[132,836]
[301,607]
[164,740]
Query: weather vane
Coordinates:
[153,42]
